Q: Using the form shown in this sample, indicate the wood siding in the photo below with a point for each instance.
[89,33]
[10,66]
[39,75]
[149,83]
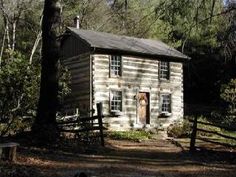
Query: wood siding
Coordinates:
[138,75]
[79,68]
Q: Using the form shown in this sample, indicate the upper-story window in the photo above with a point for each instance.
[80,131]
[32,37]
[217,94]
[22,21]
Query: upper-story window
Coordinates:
[164,70]
[115,66]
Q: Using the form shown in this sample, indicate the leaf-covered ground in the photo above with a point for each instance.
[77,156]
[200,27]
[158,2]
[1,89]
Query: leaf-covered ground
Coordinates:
[149,158]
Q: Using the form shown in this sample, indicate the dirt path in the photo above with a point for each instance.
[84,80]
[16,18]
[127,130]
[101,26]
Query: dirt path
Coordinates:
[152,158]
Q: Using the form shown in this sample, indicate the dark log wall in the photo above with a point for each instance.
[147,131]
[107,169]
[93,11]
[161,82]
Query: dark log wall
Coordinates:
[79,68]
[72,46]
[75,55]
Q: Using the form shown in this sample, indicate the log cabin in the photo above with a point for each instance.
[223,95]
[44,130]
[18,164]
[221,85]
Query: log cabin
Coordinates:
[139,81]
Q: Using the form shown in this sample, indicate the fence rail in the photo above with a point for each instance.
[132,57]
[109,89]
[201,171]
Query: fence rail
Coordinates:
[194,135]
[227,128]
[85,124]
[79,119]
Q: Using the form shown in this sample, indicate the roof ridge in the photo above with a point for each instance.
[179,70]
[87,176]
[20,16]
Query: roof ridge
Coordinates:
[109,41]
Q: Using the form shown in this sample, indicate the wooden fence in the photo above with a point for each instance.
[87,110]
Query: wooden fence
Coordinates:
[85,124]
[196,131]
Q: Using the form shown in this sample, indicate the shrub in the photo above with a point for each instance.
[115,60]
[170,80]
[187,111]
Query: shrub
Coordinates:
[228,94]
[179,129]
[18,92]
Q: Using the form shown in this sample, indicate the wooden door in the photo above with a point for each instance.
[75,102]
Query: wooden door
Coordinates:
[143,107]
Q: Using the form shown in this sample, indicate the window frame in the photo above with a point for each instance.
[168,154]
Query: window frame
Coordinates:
[168,110]
[111,73]
[164,74]
[115,111]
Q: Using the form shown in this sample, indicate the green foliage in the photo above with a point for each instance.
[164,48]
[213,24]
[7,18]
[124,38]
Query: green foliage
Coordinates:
[228,94]
[179,129]
[18,92]
[28,29]
[64,81]
[175,22]
[130,135]
[136,18]
[25,16]
[191,21]
[93,14]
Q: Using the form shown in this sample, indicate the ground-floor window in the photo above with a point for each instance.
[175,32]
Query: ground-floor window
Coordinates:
[115,101]
[165,103]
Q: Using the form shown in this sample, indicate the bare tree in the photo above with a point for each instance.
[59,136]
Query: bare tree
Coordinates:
[36,42]
[12,11]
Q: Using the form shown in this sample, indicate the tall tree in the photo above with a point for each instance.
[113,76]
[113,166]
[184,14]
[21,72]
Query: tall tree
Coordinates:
[45,123]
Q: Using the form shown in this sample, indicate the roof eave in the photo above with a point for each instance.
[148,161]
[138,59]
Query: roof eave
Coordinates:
[98,50]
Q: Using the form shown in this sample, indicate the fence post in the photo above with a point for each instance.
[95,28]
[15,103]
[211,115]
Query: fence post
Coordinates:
[193,135]
[100,115]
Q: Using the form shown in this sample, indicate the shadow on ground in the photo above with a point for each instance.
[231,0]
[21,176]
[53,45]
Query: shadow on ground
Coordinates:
[151,158]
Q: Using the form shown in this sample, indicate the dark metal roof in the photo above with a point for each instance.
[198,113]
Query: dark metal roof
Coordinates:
[107,41]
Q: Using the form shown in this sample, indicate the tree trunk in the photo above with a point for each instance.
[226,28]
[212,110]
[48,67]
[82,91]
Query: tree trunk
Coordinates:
[45,127]
[8,35]
[3,44]
[13,35]
[36,43]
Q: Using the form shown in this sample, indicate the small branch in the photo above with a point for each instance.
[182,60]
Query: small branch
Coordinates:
[4,131]
[18,104]
[188,32]
[35,46]
[183,45]
[218,14]
[212,9]
[38,38]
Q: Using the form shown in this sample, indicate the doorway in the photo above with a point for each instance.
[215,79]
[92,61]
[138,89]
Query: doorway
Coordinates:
[143,105]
